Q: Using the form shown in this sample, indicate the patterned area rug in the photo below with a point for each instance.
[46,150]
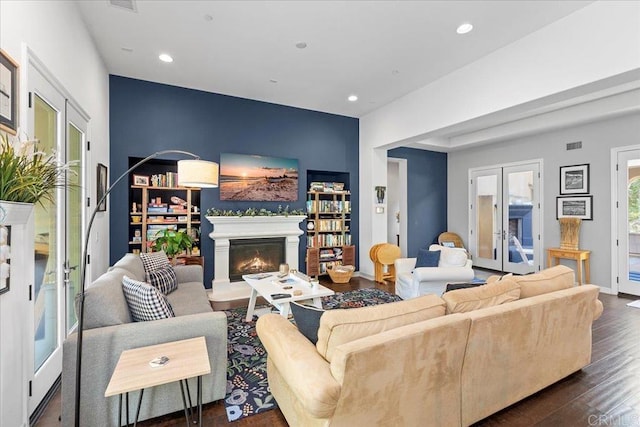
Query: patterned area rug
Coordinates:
[247,387]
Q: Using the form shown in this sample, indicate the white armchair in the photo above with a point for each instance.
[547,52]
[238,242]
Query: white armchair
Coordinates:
[454,266]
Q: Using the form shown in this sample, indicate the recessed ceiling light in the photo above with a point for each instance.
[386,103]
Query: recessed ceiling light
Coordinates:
[273,80]
[165,57]
[301,45]
[464,28]
[353,98]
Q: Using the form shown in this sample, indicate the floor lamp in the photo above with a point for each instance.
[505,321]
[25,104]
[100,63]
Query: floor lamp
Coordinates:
[191,173]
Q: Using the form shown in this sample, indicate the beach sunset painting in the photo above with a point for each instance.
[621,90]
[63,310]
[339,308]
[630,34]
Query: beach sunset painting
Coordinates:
[258,178]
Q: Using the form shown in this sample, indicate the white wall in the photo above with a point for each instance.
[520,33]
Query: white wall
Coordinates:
[54,31]
[597,141]
[591,45]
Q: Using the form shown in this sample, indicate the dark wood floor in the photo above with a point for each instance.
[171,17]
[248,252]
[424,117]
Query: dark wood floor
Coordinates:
[605,393]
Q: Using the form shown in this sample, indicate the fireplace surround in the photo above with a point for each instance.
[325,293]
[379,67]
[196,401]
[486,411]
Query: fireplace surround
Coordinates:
[229,228]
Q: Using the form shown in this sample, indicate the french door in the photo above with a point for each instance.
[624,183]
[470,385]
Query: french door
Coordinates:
[59,128]
[504,228]
[628,221]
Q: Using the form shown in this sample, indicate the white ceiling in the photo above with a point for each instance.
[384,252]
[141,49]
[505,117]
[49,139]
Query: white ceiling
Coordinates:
[379,50]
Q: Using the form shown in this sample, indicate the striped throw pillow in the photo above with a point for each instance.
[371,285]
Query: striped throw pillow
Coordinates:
[163,279]
[152,261]
[145,302]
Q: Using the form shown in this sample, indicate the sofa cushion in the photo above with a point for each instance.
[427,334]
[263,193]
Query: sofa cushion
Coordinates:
[189,298]
[345,325]
[163,279]
[104,301]
[145,302]
[464,300]
[307,320]
[153,261]
[427,258]
[548,280]
[497,278]
[133,264]
[450,257]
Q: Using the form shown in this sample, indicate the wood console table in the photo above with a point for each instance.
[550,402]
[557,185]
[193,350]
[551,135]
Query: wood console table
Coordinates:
[578,255]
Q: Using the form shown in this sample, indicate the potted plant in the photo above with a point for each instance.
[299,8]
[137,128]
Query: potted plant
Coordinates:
[172,242]
[27,175]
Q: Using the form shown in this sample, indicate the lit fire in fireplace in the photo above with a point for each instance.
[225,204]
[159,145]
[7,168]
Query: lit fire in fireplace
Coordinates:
[257,264]
[251,256]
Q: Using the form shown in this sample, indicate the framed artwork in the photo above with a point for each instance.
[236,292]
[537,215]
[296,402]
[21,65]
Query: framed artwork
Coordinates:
[141,180]
[258,178]
[101,180]
[575,207]
[574,179]
[8,93]
[5,257]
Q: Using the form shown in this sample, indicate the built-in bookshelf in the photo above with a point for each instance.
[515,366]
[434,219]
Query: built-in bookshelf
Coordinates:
[328,227]
[157,203]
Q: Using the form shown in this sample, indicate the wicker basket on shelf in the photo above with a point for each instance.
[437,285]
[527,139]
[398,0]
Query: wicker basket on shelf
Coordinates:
[341,273]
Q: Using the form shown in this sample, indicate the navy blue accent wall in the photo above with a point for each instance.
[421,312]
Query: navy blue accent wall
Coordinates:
[146,117]
[426,196]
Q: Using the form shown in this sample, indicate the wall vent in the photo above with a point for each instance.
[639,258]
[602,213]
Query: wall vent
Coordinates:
[125,4]
[574,145]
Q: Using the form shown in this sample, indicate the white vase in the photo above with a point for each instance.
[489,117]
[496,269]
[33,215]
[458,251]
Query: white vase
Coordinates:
[17,221]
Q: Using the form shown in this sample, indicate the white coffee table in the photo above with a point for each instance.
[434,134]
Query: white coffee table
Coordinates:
[269,285]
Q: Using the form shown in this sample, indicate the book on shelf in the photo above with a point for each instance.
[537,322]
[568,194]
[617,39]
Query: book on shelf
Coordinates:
[156,209]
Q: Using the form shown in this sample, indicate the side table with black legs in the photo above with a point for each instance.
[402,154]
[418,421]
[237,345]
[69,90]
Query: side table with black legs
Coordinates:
[186,359]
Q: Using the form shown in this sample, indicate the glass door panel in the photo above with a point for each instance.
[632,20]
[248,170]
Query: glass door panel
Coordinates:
[485,242]
[46,245]
[519,201]
[75,144]
[628,220]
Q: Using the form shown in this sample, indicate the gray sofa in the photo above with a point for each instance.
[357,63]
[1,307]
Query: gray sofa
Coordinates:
[108,330]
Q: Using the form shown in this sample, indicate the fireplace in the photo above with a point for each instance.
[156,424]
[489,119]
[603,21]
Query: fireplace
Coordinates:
[229,230]
[250,256]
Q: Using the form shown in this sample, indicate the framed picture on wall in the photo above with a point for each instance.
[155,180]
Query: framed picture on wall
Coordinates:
[574,179]
[258,178]
[8,93]
[575,207]
[141,180]
[101,180]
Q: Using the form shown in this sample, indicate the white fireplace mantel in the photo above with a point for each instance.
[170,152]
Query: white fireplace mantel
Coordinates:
[226,228]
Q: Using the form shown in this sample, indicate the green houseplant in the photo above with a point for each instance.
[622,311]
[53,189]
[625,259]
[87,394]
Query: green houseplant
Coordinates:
[172,242]
[27,175]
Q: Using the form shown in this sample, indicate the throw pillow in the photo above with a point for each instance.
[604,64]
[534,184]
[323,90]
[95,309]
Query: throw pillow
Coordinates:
[496,293]
[145,302]
[451,257]
[153,261]
[307,319]
[163,279]
[548,280]
[427,258]
[497,278]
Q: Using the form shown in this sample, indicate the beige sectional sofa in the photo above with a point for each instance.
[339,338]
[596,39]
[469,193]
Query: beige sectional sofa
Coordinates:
[430,361]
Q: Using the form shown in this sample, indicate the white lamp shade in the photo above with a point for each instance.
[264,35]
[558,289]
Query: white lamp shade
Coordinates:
[197,173]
